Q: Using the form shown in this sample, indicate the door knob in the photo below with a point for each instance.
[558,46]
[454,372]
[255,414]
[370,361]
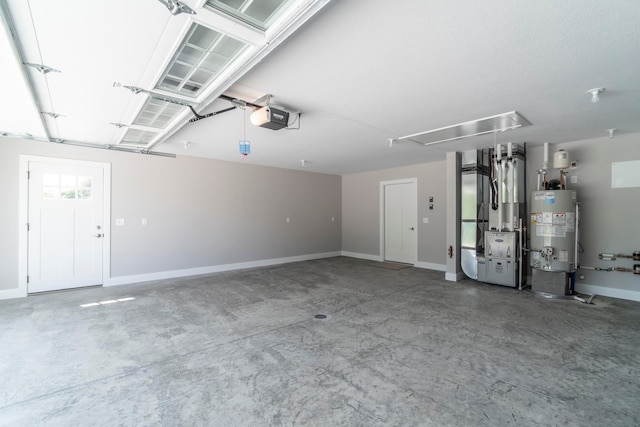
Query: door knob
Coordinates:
[411,228]
[97,235]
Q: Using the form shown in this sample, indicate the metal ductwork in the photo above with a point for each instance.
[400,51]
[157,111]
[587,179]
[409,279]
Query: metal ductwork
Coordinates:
[493,208]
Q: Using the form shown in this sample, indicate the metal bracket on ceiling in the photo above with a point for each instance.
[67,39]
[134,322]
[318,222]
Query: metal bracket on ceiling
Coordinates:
[265,99]
[53,115]
[43,68]
[177,7]
[134,89]
[119,125]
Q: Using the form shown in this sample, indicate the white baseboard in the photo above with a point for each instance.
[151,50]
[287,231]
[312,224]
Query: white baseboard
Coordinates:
[608,292]
[12,293]
[362,256]
[137,278]
[454,277]
[431,266]
[418,264]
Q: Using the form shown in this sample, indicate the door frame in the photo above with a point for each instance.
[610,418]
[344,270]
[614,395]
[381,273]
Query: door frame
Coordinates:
[383,184]
[23,214]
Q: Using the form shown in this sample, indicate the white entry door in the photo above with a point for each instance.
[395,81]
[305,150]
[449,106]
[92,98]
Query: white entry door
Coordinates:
[66,226]
[400,222]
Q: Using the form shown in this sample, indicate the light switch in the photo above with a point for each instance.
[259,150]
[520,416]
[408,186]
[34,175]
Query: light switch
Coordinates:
[288,219]
[333,219]
[144,221]
[119,221]
[574,179]
[425,220]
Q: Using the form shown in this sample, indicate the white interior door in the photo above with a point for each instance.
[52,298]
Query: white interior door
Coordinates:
[400,222]
[66,226]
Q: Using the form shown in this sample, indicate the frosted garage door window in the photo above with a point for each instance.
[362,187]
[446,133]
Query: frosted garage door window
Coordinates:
[66,187]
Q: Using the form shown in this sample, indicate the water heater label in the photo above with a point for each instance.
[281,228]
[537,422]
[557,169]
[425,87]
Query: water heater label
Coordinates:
[550,197]
[571,221]
[538,195]
[547,217]
[545,230]
[563,256]
[538,217]
[559,218]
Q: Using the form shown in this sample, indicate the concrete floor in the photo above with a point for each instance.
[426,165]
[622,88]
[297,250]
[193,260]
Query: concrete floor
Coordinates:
[400,348]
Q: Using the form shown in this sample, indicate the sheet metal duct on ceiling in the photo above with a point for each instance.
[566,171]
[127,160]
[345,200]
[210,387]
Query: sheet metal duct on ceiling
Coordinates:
[497,123]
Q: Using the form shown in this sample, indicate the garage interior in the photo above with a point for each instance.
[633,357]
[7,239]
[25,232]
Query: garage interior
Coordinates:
[294,212]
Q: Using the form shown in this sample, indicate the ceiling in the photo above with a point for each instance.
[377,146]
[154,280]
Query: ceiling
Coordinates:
[359,72]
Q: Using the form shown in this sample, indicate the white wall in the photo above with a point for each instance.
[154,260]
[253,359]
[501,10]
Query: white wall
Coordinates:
[610,217]
[361,212]
[201,213]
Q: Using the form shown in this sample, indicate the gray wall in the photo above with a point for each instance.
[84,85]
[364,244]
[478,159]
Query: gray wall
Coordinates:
[205,212]
[361,210]
[610,219]
[200,212]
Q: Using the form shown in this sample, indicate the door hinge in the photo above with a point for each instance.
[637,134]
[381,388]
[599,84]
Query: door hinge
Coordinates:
[28,227]
[27,279]
[28,174]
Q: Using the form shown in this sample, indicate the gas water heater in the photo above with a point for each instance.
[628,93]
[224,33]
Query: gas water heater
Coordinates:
[553,231]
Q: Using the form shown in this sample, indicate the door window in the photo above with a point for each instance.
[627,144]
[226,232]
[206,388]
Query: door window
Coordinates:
[71,187]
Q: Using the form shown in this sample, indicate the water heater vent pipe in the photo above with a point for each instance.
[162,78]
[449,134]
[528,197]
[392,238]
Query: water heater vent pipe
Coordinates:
[545,165]
[510,185]
[545,161]
[576,262]
[500,187]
